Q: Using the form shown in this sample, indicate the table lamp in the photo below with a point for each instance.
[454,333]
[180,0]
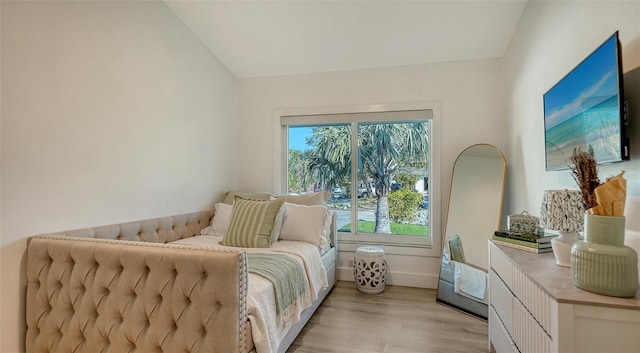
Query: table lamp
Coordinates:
[562,211]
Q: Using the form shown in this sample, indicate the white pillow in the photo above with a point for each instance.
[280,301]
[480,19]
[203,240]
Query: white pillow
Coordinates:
[311,224]
[277,227]
[220,221]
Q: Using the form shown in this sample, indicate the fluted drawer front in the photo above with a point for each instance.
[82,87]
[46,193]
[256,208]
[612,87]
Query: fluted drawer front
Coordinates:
[527,333]
[533,298]
[501,299]
[500,338]
[502,266]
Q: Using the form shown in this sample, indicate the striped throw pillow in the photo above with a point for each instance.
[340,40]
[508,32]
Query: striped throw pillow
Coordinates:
[251,223]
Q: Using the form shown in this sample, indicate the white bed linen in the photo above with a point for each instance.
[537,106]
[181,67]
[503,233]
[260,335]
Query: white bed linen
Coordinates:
[470,282]
[267,330]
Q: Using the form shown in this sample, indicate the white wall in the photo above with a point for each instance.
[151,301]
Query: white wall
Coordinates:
[471,97]
[111,112]
[552,38]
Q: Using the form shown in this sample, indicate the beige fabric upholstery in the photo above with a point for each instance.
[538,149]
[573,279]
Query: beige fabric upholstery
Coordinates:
[128,292]
[231,196]
[319,198]
[93,295]
[157,230]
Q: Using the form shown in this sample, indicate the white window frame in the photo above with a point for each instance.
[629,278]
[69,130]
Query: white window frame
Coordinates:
[390,112]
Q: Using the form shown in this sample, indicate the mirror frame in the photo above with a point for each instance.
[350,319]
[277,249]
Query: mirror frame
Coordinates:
[473,308]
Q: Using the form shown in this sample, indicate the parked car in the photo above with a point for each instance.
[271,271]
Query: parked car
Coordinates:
[337,192]
[396,186]
[363,192]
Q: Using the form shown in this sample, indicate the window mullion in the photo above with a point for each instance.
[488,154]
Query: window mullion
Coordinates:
[354,177]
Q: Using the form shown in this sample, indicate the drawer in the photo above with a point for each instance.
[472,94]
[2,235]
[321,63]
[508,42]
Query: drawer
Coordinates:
[499,336]
[534,299]
[501,264]
[500,298]
[527,333]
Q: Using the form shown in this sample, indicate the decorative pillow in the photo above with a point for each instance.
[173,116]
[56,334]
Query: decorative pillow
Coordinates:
[311,224]
[457,252]
[220,221]
[252,223]
[319,198]
[231,196]
[277,227]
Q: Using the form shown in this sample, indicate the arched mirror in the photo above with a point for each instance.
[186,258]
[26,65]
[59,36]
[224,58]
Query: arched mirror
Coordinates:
[475,209]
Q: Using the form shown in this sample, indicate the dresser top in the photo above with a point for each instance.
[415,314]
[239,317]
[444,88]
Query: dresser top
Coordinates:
[557,281]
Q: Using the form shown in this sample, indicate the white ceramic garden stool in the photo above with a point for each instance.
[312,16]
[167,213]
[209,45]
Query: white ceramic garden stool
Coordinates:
[370,269]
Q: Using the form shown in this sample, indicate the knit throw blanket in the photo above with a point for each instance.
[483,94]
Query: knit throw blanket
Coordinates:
[287,276]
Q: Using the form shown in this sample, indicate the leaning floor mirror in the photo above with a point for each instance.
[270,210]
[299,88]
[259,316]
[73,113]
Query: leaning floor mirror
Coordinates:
[475,209]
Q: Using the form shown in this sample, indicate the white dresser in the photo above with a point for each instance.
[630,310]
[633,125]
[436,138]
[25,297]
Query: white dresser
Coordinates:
[534,307]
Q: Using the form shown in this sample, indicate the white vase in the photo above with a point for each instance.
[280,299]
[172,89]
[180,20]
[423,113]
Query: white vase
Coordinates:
[562,247]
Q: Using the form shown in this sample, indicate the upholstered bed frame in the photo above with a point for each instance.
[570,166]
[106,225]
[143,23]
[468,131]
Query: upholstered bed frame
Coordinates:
[121,288]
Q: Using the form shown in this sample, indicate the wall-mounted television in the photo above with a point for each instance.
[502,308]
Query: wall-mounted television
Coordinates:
[587,108]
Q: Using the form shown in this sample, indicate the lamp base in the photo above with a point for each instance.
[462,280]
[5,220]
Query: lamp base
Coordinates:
[562,247]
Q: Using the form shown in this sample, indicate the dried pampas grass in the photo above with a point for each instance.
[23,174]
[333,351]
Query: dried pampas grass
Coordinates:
[585,172]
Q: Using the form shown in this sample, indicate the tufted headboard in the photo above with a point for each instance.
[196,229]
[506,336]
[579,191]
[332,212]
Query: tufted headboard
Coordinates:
[95,295]
[127,291]
[155,230]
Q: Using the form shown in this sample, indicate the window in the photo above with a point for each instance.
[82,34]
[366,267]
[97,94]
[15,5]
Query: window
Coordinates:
[376,165]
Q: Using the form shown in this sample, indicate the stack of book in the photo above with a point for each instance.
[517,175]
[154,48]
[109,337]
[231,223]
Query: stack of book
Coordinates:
[528,242]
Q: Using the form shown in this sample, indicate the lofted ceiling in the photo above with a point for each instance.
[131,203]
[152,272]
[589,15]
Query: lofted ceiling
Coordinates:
[265,38]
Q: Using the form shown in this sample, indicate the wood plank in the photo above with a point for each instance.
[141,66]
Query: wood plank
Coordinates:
[399,320]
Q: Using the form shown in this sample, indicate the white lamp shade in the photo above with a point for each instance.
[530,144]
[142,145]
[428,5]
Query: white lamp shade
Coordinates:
[562,210]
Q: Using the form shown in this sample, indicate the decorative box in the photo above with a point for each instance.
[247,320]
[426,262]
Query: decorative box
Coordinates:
[523,223]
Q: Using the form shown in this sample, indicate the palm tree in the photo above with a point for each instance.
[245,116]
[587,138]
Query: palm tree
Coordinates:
[330,159]
[298,172]
[384,149]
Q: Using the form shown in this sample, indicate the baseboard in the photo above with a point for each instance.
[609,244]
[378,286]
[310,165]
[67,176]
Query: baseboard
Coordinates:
[407,279]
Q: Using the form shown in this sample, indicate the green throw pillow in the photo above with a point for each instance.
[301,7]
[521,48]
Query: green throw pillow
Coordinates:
[455,247]
[251,223]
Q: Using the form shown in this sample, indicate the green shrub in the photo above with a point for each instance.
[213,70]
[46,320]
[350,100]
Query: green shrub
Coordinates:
[407,180]
[403,205]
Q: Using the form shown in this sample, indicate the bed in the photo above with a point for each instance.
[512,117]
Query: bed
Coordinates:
[159,285]
[462,285]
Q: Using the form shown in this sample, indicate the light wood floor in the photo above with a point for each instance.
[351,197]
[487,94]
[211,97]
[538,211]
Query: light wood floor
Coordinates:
[399,320]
